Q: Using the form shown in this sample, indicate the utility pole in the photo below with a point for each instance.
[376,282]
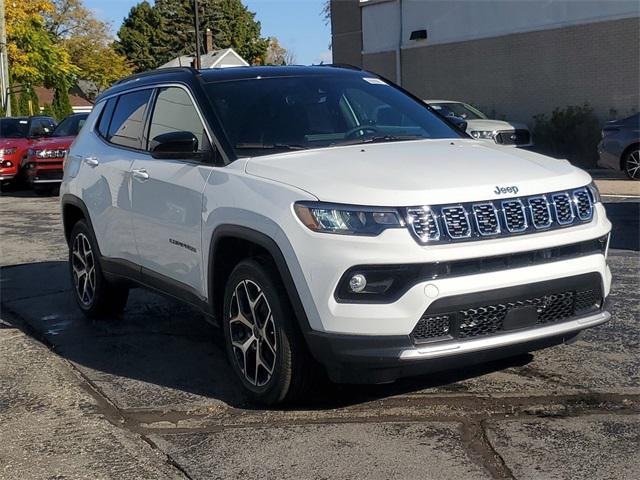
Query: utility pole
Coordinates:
[197,28]
[4,64]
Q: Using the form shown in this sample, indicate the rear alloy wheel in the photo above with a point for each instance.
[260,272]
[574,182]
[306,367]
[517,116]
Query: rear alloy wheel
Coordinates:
[95,296]
[264,345]
[632,165]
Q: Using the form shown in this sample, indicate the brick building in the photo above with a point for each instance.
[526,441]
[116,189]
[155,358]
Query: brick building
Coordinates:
[517,58]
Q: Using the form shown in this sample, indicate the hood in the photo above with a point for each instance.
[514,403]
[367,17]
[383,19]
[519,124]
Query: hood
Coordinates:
[13,142]
[418,172]
[493,125]
[53,142]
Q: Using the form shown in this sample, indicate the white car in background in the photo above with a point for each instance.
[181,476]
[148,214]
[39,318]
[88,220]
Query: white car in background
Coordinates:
[482,128]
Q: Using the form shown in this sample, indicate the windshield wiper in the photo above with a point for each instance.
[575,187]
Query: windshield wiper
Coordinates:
[378,139]
[269,146]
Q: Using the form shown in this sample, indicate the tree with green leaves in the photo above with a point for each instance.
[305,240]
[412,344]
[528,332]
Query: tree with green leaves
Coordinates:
[35,101]
[153,35]
[61,105]
[23,103]
[47,111]
[141,38]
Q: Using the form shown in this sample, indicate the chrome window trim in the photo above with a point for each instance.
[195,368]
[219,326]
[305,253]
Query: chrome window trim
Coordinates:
[446,226]
[495,214]
[546,204]
[524,215]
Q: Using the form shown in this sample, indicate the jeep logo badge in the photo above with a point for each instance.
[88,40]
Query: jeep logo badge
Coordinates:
[502,190]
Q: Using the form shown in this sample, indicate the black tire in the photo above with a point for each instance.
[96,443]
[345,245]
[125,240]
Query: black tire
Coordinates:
[631,164]
[96,297]
[293,369]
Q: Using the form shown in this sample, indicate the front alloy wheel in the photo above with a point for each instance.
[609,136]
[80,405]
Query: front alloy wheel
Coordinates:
[264,344]
[632,165]
[253,333]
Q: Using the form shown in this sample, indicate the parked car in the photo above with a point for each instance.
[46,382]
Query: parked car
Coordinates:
[327,219]
[482,128]
[17,134]
[45,157]
[619,148]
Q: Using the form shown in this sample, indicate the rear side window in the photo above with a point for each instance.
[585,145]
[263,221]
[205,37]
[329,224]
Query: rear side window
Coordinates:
[105,117]
[127,123]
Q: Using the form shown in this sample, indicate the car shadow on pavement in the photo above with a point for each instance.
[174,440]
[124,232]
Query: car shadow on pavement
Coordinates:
[162,352]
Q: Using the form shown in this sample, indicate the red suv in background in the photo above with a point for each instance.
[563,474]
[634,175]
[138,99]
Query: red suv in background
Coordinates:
[46,156]
[17,135]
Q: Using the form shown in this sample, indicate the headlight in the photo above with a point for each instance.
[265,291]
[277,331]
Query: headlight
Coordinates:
[7,151]
[594,192]
[483,134]
[347,219]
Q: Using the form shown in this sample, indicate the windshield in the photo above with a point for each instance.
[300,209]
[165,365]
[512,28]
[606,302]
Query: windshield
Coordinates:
[260,115]
[462,110]
[70,126]
[14,127]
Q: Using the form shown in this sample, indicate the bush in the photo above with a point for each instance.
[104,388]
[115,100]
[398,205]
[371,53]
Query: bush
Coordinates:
[572,133]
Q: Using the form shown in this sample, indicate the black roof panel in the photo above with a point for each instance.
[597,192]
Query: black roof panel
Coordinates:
[187,74]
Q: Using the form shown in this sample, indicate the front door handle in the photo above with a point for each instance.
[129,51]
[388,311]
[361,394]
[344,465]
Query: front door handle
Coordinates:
[140,174]
[91,161]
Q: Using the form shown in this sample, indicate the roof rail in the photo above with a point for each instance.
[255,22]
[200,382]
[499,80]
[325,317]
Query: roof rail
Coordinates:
[156,71]
[340,65]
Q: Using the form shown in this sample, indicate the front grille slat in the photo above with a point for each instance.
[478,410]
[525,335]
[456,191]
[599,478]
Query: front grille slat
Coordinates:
[484,320]
[514,215]
[486,218]
[540,212]
[583,204]
[456,221]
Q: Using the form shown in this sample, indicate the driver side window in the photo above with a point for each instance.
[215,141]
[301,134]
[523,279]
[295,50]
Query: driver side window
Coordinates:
[174,112]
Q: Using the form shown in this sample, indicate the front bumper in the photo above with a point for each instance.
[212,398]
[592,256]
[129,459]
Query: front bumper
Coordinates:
[380,359]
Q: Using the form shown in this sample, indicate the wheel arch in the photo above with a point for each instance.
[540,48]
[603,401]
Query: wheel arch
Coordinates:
[73,209]
[256,243]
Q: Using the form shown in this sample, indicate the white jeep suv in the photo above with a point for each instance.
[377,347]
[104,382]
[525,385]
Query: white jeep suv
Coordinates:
[328,220]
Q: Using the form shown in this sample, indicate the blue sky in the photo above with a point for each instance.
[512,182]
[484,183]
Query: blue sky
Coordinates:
[298,24]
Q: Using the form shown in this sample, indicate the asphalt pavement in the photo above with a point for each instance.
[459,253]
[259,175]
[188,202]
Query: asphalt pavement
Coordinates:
[150,395]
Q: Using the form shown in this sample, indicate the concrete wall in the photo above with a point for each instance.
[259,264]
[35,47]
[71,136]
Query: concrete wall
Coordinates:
[346,32]
[450,21]
[524,74]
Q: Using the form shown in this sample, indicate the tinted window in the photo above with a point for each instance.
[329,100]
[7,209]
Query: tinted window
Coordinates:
[127,123]
[174,112]
[457,110]
[260,116]
[14,127]
[41,126]
[105,117]
[70,126]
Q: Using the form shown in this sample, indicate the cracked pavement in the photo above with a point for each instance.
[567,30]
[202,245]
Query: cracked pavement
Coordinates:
[150,395]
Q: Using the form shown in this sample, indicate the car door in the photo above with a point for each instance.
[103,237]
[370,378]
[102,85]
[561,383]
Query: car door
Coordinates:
[105,159]
[167,197]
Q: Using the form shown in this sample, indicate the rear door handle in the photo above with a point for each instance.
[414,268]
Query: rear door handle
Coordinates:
[91,161]
[140,174]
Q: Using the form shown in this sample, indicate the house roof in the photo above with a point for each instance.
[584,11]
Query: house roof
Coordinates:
[213,59]
[45,96]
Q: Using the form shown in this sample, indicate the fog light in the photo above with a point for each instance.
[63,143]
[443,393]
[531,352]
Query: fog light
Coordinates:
[357,283]
[7,163]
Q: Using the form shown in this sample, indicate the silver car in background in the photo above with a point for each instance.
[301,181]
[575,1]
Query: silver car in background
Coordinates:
[481,127]
[619,148]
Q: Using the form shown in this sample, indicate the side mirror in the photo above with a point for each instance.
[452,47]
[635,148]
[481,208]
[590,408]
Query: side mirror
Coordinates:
[175,145]
[460,123]
[38,132]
